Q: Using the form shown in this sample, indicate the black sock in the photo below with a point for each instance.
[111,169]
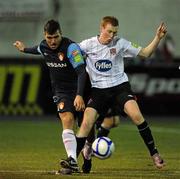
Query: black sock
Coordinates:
[102,132]
[80,144]
[145,133]
[91,137]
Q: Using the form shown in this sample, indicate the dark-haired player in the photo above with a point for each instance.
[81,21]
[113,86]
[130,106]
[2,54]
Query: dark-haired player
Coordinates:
[67,72]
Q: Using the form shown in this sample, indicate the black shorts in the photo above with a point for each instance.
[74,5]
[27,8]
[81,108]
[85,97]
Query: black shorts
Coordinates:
[64,102]
[110,101]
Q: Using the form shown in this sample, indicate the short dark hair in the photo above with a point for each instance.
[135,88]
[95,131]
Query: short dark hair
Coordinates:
[52,26]
[109,20]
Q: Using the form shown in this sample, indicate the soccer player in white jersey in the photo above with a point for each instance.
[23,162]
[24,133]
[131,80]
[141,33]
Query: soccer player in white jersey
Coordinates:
[110,86]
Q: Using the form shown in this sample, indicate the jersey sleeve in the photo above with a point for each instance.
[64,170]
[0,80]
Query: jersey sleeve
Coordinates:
[33,50]
[129,49]
[75,56]
[76,59]
[84,45]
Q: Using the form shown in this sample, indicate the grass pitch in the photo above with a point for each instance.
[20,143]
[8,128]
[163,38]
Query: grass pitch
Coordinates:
[32,148]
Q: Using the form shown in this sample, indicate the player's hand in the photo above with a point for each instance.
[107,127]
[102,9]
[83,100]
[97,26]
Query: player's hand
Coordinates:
[79,103]
[19,45]
[161,31]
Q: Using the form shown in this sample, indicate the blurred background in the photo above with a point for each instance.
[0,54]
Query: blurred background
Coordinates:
[24,82]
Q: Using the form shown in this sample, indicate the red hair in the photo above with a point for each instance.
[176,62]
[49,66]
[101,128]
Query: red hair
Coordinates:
[109,20]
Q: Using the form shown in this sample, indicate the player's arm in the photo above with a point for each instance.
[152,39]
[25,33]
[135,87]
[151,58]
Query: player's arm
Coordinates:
[149,49]
[77,61]
[21,47]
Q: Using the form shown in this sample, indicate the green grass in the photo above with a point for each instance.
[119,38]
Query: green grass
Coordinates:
[32,149]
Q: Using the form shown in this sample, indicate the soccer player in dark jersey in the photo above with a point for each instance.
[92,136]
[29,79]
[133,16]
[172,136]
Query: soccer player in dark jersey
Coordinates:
[67,72]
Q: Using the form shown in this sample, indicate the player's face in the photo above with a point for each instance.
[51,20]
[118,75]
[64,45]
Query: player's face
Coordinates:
[107,33]
[53,40]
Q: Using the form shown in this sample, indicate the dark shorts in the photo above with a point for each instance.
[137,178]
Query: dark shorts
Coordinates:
[64,102]
[110,101]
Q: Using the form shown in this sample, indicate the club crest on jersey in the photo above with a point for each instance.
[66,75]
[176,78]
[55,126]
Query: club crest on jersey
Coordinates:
[103,65]
[61,56]
[113,51]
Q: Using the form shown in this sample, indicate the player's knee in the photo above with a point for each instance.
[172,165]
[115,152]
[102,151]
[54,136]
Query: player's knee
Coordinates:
[90,115]
[111,122]
[116,121]
[137,118]
[66,118]
[107,123]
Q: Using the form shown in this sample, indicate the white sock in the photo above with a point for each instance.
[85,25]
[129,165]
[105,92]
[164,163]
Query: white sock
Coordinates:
[70,143]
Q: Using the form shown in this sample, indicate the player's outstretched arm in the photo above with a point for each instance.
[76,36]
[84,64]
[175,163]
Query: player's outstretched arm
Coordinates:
[31,50]
[19,45]
[149,49]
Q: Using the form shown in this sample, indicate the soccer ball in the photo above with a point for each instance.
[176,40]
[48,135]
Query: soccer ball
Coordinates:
[103,147]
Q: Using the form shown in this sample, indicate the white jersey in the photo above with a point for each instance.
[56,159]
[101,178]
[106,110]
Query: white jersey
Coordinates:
[105,64]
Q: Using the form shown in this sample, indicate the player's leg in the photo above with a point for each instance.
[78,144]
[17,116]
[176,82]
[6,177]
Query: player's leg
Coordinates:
[131,108]
[89,119]
[68,136]
[103,128]
[87,151]
[127,103]
[66,114]
[69,140]
[96,105]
